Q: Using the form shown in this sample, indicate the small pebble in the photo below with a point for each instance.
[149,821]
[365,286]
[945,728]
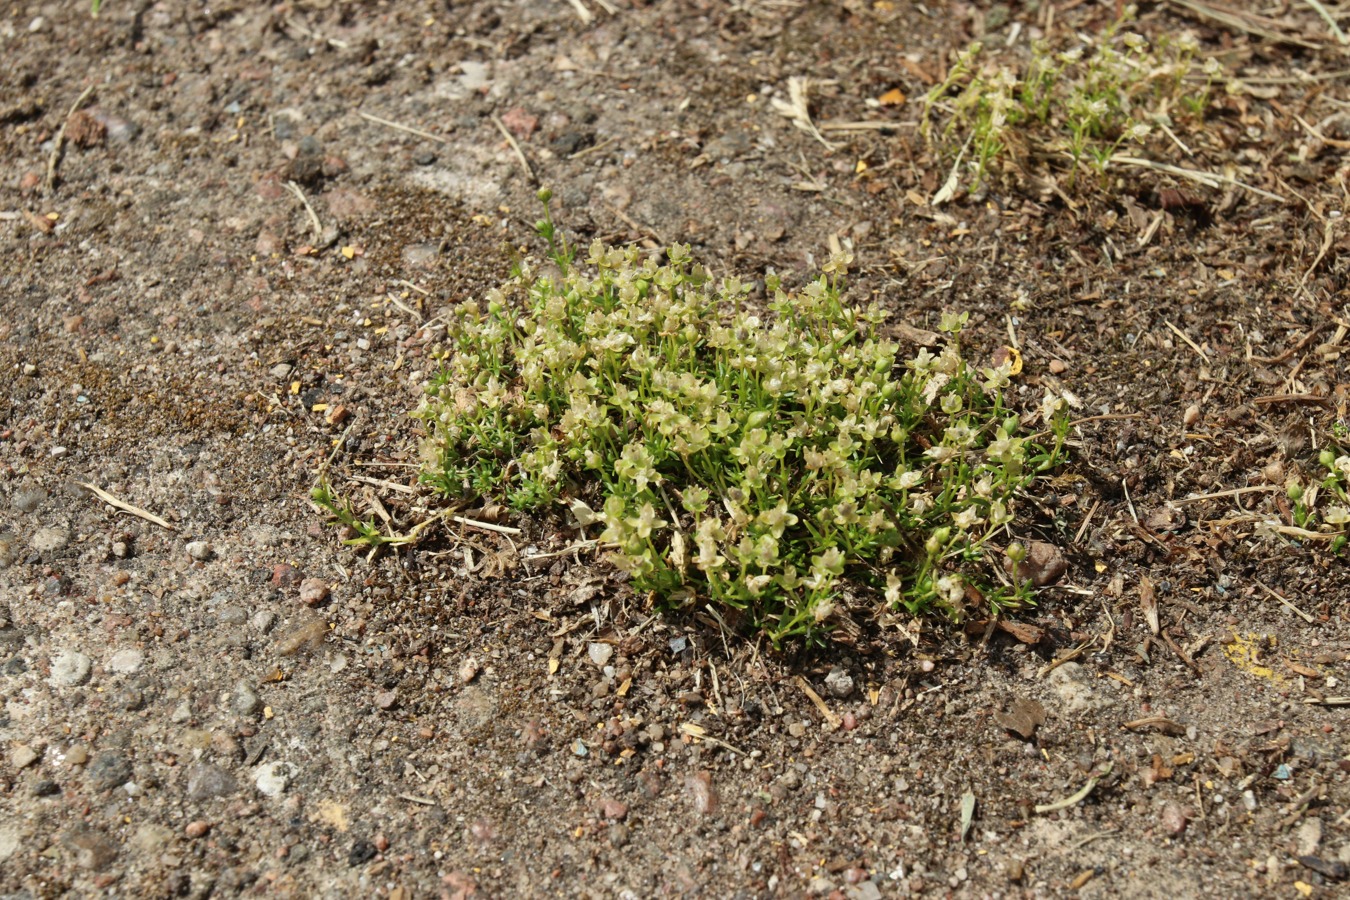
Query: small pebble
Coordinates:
[273,778]
[49,540]
[23,756]
[313,591]
[200,550]
[600,653]
[613,809]
[284,575]
[126,662]
[197,829]
[703,793]
[839,683]
[1174,819]
[70,669]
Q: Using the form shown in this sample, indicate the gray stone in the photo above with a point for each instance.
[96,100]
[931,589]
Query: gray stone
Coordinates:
[206,781]
[23,756]
[10,841]
[151,838]
[125,662]
[49,540]
[93,849]
[245,700]
[839,683]
[1073,685]
[273,778]
[200,550]
[109,769]
[70,669]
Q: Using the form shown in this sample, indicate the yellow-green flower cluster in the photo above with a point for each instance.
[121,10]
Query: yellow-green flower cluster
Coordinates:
[1081,104]
[760,458]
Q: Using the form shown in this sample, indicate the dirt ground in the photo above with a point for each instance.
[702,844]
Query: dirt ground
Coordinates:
[224,265]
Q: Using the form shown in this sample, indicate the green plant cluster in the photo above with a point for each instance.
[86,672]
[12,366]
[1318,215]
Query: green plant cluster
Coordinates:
[1325,505]
[763,461]
[1079,105]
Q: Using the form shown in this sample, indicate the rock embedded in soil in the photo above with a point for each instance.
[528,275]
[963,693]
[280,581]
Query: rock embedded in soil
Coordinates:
[313,591]
[49,539]
[1076,690]
[93,849]
[272,779]
[207,781]
[70,669]
[703,793]
[199,550]
[23,756]
[1044,565]
[839,683]
[109,770]
[126,662]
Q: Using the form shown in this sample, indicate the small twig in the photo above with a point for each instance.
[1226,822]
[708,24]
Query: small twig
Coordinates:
[406,308]
[1128,502]
[825,711]
[1321,253]
[520,154]
[1262,488]
[583,13]
[1293,398]
[1181,654]
[125,507]
[59,142]
[408,128]
[571,548]
[313,216]
[1329,19]
[698,733]
[486,526]
[1280,597]
[1209,179]
[421,801]
[594,148]
[1303,342]
[1190,343]
[622,217]
[388,485]
[1069,656]
[1250,23]
[1313,132]
[1079,796]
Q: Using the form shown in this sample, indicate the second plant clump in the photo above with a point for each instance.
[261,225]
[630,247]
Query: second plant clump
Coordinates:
[1079,106]
[771,465]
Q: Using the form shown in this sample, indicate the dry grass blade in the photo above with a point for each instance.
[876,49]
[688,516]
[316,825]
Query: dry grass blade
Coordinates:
[515,147]
[1280,597]
[797,106]
[1148,601]
[1208,179]
[1329,19]
[1246,22]
[1077,797]
[58,142]
[820,704]
[314,222]
[387,123]
[125,507]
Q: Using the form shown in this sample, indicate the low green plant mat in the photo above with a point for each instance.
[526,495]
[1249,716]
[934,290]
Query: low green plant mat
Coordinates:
[773,463]
[1071,108]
